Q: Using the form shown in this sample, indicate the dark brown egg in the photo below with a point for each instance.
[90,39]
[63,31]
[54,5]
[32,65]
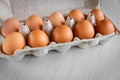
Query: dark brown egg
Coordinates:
[12,42]
[57,19]
[34,22]
[104,27]
[77,15]
[84,30]
[38,38]
[9,26]
[62,34]
[99,15]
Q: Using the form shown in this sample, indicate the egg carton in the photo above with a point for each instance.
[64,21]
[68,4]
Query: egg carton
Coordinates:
[99,39]
[62,47]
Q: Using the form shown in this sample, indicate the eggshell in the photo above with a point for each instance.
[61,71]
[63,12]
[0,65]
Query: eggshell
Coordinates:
[38,38]
[34,22]
[104,27]
[56,19]
[9,26]
[12,42]
[99,15]
[84,30]
[77,15]
[62,34]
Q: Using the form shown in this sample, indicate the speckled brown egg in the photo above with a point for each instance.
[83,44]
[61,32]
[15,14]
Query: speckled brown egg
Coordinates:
[12,42]
[84,30]
[10,25]
[105,27]
[38,38]
[34,22]
[62,34]
[57,19]
[77,15]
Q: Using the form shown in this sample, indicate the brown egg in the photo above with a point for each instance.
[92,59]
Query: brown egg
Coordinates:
[99,15]
[57,19]
[12,42]
[84,30]
[77,15]
[62,34]
[9,26]
[38,38]
[105,27]
[34,22]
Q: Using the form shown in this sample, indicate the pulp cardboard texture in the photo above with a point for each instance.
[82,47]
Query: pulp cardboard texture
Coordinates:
[21,9]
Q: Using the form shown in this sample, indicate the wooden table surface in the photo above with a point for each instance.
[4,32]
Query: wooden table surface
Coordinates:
[95,63]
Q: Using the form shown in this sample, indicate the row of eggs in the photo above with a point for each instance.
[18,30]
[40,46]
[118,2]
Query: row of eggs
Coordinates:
[58,29]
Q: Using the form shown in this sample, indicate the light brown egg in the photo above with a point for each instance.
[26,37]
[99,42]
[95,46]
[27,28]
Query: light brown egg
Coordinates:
[105,27]
[57,19]
[38,38]
[77,15]
[12,42]
[9,26]
[62,34]
[84,30]
[99,15]
[34,22]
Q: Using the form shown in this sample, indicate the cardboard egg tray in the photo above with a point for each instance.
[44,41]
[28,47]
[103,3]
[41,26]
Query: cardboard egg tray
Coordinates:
[84,5]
